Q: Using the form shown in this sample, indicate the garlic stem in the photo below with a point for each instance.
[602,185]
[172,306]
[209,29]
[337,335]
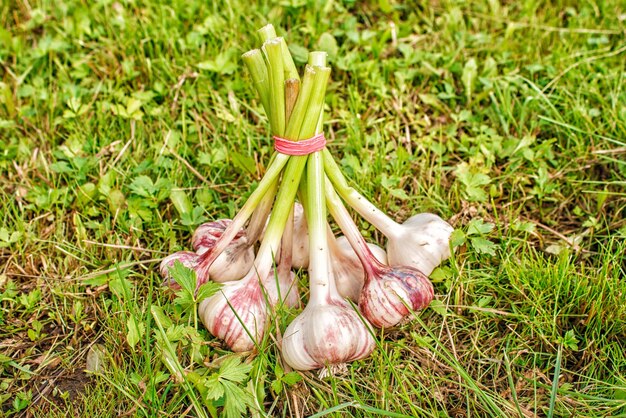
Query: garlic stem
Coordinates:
[298,112]
[286,245]
[258,71]
[341,215]
[319,273]
[292,88]
[278,218]
[273,50]
[364,207]
[266,33]
[260,215]
[308,128]
[242,216]
[289,66]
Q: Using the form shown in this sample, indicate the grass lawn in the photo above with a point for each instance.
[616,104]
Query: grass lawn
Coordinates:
[507,119]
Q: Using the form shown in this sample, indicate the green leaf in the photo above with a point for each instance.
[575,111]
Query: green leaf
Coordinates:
[176,332]
[438,306]
[233,370]
[61,167]
[299,53]
[243,162]
[184,276]
[163,319]
[195,217]
[292,378]
[236,400]
[7,238]
[143,186]
[570,341]
[483,246]
[135,330]
[132,106]
[119,285]
[181,201]
[478,227]
[222,64]
[473,182]
[328,44]
[277,386]
[116,200]
[214,388]
[207,290]
[457,238]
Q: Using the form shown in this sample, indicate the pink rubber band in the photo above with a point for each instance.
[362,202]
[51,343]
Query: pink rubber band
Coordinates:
[304,147]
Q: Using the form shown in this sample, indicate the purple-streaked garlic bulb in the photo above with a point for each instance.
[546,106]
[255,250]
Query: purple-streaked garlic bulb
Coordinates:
[347,268]
[390,293]
[236,314]
[236,259]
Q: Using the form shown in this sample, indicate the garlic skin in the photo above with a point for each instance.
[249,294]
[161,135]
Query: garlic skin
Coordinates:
[392,293]
[287,286]
[423,243]
[232,264]
[206,235]
[300,247]
[300,238]
[188,258]
[237,307]
[237,258]
[348,269]
[325,334]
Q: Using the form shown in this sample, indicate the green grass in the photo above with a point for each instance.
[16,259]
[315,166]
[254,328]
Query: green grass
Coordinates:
[508,119]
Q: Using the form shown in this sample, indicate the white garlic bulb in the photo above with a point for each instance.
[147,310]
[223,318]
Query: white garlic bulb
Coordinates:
[421,242]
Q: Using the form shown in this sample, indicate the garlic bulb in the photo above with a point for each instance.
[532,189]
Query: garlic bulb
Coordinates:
[348,270]
[282,286]
[423,243]
[344,246]
[236,314]
[391,293]
[324,334]
[206,235]
[329,331]
[236,259]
